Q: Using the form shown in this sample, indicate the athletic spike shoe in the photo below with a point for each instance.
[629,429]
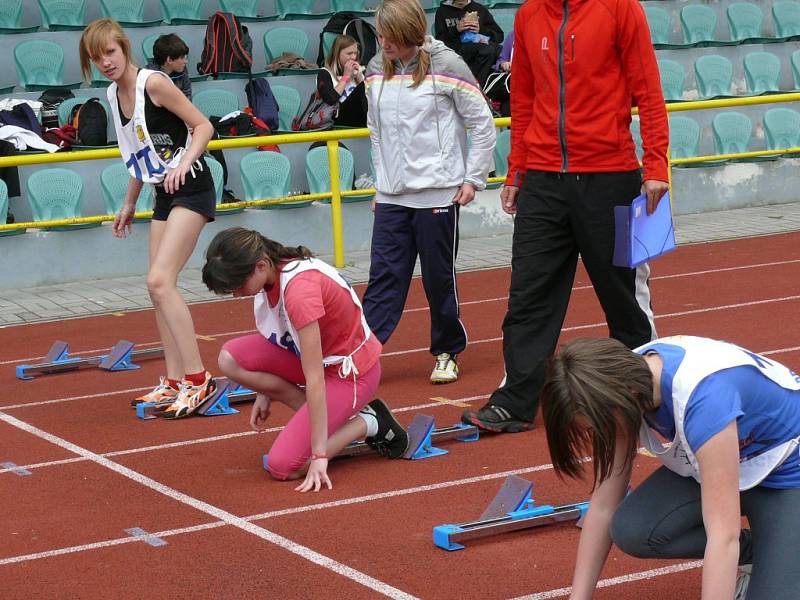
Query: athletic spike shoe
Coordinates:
[495,418]
[742,582]
[162,395]
[445,370]
[391,440]
[190,398]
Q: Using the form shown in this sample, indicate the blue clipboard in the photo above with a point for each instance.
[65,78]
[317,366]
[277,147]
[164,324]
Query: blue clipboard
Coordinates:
[640,237]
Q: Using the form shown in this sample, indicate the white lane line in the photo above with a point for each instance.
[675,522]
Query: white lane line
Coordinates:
[279,513]
[213,438]
[71,398]
[562,592]
[218,513]
[423,308]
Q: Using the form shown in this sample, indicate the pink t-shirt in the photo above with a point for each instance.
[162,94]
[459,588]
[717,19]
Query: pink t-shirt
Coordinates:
[311,296]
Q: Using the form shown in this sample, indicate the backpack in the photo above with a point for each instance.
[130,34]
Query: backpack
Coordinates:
[227,47]
[262,102]
[317,115]
[90,122]
[51,99]
[63,137]
[346,23]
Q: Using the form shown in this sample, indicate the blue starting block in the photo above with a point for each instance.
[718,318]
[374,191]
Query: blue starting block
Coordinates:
[421,435]
[219,403]
[58,360]
[512,509]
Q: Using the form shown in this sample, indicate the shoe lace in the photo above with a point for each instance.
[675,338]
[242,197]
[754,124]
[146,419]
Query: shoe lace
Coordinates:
[442,361]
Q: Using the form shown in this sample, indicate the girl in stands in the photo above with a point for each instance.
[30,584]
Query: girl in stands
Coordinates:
[704,408]
[162,137]
[342,82]
[313,352]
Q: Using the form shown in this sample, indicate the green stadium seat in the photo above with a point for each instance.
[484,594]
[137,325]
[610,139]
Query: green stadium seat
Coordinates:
[183,12]
[284,39]
[745,20]
[114,183]
[501,150]
[11,18]
[430,6]
[786,14]
[216,103]
[4,211]
[699,24]
[782,128]
[245,10]
[129,13]
[318,172]
[40,65]
[731,131]
[299,9]
[497,3]
[684,137]
[268,175]
[98,79]
[714,76]
[217,174]
[63,15]
[505,21]
[672,78]
[147,46]
[56,194]
[795,62]
[660,23]
[288,100]
[762,72]
[328,38]
[353,6]
[636,133]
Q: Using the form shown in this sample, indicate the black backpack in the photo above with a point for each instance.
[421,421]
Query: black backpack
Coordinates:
[346,23]
[51,99]
[263,103]
[90,122]
[227,47]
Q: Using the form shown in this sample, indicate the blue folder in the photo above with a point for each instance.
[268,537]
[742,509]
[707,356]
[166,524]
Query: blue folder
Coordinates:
[640,237]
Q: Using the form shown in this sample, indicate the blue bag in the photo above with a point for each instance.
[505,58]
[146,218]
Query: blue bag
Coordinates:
[263,103]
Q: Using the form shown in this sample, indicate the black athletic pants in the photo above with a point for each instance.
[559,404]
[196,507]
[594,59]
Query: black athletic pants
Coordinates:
[398,236]
[559,216]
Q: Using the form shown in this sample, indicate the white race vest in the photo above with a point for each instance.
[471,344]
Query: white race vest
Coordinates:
[135,145]
[704,357]
[274,324]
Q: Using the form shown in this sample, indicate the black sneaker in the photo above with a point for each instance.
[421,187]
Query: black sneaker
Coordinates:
[391,440]
[495,418]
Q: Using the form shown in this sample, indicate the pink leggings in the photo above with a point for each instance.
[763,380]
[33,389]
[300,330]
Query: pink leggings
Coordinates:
[292,448]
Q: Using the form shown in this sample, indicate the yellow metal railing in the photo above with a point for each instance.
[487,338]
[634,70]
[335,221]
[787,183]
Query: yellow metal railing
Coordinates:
[331,138]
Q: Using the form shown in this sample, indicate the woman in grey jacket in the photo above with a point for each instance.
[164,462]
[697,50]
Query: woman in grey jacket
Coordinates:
[422,100]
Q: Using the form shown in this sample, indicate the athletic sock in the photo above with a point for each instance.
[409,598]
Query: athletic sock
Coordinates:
[196,378]
[175,384]
[369,418]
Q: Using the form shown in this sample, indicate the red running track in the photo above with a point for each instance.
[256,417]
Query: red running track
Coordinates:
[231,532]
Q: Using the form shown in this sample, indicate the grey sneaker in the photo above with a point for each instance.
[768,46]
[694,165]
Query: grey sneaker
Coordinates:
[391,440]
[742,582]
[445,370]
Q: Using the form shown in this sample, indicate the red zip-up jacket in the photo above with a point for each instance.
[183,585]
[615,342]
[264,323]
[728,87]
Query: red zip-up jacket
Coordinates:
[578,67]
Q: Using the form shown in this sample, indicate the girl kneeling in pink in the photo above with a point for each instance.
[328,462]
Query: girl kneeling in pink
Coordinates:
[313,352]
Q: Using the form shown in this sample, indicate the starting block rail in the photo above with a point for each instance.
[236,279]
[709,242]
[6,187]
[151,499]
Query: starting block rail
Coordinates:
[227,393]
[516,493]
[57,360]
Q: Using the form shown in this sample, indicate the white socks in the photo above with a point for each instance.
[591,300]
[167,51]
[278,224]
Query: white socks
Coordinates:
[370,419]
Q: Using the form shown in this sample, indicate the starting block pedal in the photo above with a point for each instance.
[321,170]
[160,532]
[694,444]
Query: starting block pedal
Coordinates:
[421,434]
[512,509]
[57,360]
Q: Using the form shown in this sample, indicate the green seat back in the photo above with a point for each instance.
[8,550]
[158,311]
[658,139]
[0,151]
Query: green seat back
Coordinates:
[127,11]
[63,12]
[505,21]
[787,18]
[98,79]
[348,5]
[182,9]
[55,194]
[699,23]
[762,72]
[714,75]
[295,7]
[240,8]
[660,24]
[731,132]
[745,20]
[114,183]
[39,62]
[288,100]
[215,103]
[3,202]
[266,175]
[147,46]
[782,128]
[795,60]
[636,134]
[672,78]
[284,39]
[217,174]
[318,173]
[684,137]
[328,38]
[11,14]
[501,151]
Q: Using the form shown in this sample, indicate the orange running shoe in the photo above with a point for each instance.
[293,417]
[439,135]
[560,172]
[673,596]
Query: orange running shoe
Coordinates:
[190,397]
[163,394]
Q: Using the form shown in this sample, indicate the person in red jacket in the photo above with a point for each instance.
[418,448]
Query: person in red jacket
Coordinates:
[579,66]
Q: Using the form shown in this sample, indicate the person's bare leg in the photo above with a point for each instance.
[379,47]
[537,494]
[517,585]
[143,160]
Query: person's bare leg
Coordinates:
[172,358]
[175,245]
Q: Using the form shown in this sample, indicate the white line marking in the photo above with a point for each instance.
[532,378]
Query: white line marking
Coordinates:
[229,518]
[561,592]
[423,308]
[71,398]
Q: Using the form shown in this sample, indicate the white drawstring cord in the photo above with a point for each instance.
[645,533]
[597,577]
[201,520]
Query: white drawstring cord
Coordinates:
[346,368]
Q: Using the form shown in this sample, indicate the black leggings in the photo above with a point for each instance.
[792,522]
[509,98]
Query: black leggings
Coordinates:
[662,518]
